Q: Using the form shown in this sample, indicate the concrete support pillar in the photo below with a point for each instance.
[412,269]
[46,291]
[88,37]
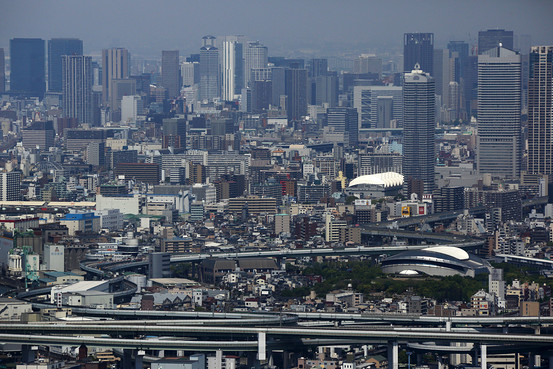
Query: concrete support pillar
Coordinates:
[262,346]
[218,359]
[285,359]
[537,330]
[483,356]
[537,361]
[28,353]
[393,355]
[180,353]
[448,326]
[126,363]
[161,353]
[138,359]
[440,361]
[365,350]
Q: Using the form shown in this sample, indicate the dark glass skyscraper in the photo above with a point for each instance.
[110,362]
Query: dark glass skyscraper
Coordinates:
[418,48]
[296,91]
[209,69]
[57,47]
[540,110]
[492,38]
[419,153]
[170,72]
[27,66]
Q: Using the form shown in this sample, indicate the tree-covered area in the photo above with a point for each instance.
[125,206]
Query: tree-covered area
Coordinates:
[523,274]
[369,279]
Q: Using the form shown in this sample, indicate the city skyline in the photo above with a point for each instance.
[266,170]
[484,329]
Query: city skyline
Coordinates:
[325,29]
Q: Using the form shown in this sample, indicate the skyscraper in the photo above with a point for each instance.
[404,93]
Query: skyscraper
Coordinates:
[209,69]
[27,66]
[492,38]
[418,48]
[170,72]
[57,47]
[232,66]
[256,56]
[77,87]
[2,71]
[419,155]
[115,65]
[540,110]
[499,104]
[296,90]
[344,120]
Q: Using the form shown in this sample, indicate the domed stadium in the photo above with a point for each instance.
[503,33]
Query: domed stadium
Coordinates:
[436,261]
[375,185]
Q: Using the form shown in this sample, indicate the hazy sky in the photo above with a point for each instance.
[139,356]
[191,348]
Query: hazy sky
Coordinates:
[287,27]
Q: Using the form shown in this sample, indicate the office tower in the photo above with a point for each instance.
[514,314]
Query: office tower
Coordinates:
[344,120]
[58,47]
[325,89]
[2,70]
[120,88]
[492,38]
[418,131]
[96,153]
[296,92]
[278,80]
[255,56]
[174,133]
[540,110]
[77,87]
[190,73]
[131,108]
[10,186]
[499,125]
[232,66]
[261,93]
[318,67]
[366,99]
[209,69]
[441,77]
[39,135]
[459,72]
[27,66]
[115,65]
[368,64]
[170,73]
[418,48]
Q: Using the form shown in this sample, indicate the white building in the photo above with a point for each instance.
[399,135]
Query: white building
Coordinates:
[131,108]
[111,219]
[54,257]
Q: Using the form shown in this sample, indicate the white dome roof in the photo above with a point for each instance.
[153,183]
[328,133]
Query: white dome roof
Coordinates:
[387,179]
[455,252]
[408,272]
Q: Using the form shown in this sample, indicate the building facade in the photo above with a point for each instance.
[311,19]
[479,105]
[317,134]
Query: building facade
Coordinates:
[57,48]
[499,109]
[419,153]
[77,87]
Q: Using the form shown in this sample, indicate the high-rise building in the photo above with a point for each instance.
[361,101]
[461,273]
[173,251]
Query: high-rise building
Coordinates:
[540,110]
[318,67]
[499,109]
[369,100]
[492,38]
[418,48]
[27,66]
[2,70]
[58,47]
[459,72]
[115,65]
[174,133]
[77,87]
[419,153]
[10,186]
[190,73]
[170,72]
[367,64]
[232,66]
[296,91]
[209,69]
[255,56]
[344,120]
